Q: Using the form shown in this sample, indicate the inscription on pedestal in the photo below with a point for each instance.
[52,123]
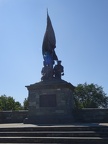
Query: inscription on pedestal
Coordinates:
[47,100]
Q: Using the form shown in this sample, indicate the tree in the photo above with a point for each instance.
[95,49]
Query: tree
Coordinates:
[8,103]
[18,106]
[90,96]
[25,103]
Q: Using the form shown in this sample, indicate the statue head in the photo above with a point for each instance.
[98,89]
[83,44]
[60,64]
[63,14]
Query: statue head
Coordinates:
[59,62]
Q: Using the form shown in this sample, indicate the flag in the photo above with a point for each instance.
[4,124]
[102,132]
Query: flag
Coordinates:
[49,41]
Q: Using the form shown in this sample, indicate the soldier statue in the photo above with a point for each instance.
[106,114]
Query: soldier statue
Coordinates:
[58,70]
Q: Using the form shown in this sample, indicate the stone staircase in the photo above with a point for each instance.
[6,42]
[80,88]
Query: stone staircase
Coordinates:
[75,134]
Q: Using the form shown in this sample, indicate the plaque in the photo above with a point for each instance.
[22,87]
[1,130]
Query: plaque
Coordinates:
[47,100]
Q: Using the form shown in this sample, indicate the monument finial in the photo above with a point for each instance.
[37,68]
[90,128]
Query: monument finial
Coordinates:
[47,11]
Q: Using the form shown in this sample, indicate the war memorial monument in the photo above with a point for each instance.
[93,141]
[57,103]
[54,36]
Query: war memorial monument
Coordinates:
[51,99]
[50,117]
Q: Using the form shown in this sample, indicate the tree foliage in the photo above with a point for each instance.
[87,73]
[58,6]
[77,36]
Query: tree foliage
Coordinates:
[8,103]
[90,96]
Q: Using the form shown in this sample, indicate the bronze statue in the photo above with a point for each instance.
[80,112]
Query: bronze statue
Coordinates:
[58,70]
[49,71]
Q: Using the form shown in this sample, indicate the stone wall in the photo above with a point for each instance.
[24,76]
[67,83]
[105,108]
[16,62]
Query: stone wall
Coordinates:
[13,116]
[93,115]
[83,115]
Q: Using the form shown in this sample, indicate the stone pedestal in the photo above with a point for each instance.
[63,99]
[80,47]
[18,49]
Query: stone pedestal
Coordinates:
[50,102]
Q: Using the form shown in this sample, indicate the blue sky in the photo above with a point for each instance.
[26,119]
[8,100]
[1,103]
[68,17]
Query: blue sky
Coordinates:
[81,29]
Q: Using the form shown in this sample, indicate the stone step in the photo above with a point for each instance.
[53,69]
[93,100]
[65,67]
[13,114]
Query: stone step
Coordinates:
[54,134]
[76,134]
[56,128]
[74,140]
